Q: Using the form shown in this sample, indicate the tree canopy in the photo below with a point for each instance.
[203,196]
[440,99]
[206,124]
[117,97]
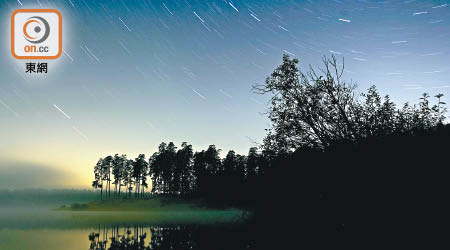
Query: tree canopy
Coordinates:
[318,109]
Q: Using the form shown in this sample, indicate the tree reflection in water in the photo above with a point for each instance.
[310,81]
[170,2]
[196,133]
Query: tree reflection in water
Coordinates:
[132,238]
[168,237]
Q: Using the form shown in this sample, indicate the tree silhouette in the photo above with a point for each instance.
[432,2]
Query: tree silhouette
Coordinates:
[168,168]
[118,172]
[183,174]
[319,110]
[107,164]
[158,169]
[98,177]
[140,167]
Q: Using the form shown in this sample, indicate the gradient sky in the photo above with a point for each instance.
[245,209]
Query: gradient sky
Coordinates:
[136,73]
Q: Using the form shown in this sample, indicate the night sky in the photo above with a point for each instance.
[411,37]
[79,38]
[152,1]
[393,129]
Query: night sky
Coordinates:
[136,73]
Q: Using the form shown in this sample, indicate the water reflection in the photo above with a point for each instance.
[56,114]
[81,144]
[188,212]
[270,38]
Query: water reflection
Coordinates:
[167,237]
[116,238]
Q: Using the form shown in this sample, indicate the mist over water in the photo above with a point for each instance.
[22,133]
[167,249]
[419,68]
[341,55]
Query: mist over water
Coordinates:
[28,220]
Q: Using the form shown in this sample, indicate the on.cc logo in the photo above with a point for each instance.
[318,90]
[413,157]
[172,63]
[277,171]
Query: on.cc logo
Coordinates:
[36,34]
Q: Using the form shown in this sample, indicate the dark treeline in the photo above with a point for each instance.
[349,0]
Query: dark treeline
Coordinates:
[181,172]
[309,112]
[341,161]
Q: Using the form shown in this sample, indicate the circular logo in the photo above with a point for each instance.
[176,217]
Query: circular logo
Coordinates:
[36,29]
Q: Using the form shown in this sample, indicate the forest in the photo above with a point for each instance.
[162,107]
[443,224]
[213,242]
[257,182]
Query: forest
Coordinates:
[308,111]
[337,154]
[179,172]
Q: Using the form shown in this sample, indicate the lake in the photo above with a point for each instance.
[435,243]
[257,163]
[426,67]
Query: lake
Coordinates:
[135,237]
[41,228]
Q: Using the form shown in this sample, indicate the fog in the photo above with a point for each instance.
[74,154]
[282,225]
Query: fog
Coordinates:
[20,175]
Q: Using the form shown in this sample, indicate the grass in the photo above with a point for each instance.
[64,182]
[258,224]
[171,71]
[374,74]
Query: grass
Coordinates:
[156,204]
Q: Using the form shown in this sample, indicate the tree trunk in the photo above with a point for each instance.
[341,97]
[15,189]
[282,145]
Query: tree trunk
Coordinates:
[118,197]
[109,184]
[136,191]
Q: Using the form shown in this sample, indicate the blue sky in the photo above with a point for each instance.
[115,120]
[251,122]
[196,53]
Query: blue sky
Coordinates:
[135,73]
